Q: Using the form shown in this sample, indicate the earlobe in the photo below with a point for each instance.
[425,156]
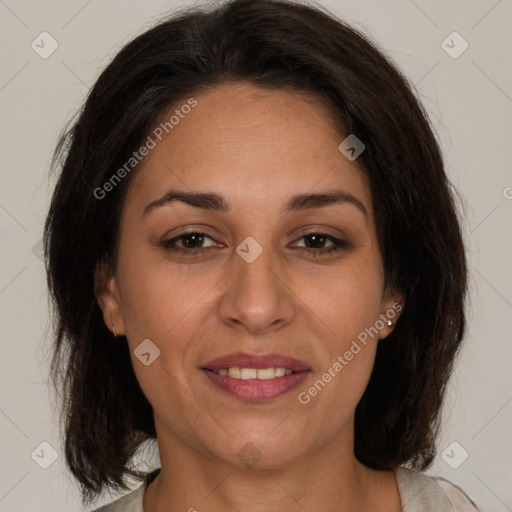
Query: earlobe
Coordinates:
[107,296]
[392,306]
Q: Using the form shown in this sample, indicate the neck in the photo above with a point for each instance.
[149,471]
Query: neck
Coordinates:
[331,480]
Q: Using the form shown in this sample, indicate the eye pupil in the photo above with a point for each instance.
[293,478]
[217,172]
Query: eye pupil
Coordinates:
[317,239]
[197,236]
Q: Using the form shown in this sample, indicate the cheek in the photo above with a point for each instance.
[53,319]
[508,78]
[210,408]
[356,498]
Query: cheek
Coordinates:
[349,304]
[163,307]
[347,352]
[156,298]
[168,305]
[348,299]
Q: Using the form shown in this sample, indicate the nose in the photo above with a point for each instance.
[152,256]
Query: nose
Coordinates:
[258,297]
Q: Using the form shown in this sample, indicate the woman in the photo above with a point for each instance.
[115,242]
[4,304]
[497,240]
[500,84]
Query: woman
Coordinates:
[247,265]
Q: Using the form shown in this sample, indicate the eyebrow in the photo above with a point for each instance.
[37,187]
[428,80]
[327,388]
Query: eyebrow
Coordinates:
[217,203]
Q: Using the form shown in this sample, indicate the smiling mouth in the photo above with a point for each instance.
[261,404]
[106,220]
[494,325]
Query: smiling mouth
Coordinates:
[254,373]
[255,377]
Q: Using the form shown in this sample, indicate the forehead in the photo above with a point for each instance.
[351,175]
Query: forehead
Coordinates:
[250,144]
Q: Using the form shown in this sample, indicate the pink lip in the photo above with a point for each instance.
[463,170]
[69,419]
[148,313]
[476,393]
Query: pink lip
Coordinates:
[255,389]
[243,360]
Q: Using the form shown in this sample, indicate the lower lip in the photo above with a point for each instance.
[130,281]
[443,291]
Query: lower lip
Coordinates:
[257,390]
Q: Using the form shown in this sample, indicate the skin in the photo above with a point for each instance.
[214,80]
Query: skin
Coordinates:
[256,148]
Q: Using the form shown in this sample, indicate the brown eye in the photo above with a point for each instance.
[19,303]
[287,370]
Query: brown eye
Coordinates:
[319,239]
[189,241]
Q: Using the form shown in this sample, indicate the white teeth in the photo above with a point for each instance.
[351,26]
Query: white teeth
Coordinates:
[248,373]
[268,373]
[235,373]
[280,372]
[253,373]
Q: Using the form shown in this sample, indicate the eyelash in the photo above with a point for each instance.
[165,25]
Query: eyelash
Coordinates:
[339,245]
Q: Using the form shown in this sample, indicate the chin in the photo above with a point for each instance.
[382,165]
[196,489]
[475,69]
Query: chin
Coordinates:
[259,452]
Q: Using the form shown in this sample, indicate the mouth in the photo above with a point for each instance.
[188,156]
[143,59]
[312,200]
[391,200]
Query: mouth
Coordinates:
[256,378]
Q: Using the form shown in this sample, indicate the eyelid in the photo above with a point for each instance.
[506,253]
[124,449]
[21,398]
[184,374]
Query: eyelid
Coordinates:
[317,230]
[199,229]
[167,241]
[337,244]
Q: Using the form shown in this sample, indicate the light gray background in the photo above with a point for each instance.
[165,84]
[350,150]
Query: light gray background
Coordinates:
[469,100]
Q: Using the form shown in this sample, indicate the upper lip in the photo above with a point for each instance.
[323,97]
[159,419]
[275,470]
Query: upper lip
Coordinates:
[243,360]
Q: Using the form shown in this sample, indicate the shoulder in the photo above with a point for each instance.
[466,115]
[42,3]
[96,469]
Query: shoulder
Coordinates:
[131,502]
[420,492]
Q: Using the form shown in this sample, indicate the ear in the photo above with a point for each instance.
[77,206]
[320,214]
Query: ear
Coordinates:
[393,303]
[107,296]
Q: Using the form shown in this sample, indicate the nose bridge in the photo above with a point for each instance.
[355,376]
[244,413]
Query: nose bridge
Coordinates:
[256,295]
[256,264]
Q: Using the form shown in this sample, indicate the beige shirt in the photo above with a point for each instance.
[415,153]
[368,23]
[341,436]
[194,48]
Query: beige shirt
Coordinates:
[418,493]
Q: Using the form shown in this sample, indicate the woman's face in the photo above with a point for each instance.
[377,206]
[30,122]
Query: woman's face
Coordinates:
[262,285]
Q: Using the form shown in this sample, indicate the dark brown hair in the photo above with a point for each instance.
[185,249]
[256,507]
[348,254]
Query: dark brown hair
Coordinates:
[278,45]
